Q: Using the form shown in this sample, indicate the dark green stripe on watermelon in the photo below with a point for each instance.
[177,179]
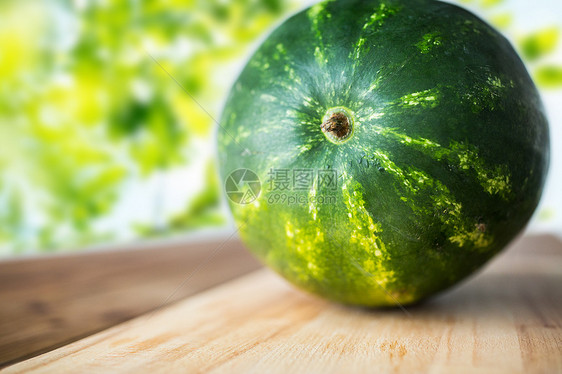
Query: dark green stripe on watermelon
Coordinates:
[445,165]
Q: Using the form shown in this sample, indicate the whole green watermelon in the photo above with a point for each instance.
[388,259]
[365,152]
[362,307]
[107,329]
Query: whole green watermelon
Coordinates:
[377,152]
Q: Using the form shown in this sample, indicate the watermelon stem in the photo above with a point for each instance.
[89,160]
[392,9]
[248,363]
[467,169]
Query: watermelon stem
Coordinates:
[337,124]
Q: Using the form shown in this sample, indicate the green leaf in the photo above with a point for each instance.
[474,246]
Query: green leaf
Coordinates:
[502,21]
[490,3]
[540,43]
[549,76]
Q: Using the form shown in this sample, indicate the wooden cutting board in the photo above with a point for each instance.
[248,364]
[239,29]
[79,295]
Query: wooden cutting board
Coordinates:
[507,319]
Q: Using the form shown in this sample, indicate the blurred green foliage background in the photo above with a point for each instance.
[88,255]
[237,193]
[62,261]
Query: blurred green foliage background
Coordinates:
[95,138]
[99,144]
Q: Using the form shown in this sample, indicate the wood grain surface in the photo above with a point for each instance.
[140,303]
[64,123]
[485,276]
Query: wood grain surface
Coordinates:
[507,319]
[49,301]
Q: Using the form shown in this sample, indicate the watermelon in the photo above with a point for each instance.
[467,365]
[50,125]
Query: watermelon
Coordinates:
[382,150]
